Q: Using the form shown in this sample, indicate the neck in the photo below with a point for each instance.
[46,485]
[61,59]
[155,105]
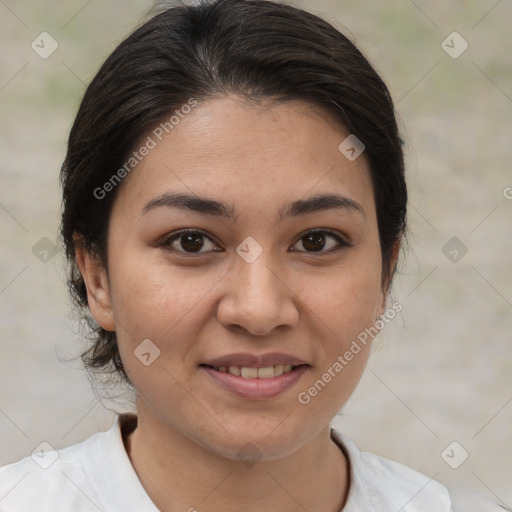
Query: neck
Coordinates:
[180,475]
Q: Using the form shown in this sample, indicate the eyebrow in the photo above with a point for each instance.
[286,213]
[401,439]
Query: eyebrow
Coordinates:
[217,209]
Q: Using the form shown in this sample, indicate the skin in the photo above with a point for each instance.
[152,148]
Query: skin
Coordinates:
[199,306]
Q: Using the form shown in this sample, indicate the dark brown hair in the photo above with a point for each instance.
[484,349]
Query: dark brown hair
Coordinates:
[254,48]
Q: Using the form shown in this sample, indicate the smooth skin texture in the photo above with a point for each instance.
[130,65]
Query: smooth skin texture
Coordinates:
[301,297]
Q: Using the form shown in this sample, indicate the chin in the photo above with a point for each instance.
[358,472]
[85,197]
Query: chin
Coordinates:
[253,443]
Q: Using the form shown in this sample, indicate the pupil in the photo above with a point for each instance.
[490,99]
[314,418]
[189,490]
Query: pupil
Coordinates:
[191,243]
[316,238]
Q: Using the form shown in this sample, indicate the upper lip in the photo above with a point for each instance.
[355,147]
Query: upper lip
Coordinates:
[253,360]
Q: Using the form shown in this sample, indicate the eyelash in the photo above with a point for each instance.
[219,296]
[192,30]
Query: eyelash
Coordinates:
[167,242]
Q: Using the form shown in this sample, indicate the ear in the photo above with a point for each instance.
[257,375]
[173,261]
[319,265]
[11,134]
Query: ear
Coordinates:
[387,283]
[98,289]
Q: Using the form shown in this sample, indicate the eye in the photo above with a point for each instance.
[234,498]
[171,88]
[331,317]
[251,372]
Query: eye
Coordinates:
[190,240]
[193,241]
[317,240]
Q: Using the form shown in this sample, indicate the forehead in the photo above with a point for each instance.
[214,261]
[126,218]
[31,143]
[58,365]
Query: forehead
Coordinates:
[249,154]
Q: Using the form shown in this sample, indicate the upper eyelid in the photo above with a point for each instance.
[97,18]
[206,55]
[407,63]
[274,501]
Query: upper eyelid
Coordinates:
[328,231]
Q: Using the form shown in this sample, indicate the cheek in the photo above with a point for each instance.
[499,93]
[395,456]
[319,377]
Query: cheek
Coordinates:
[342,321]
[166,305]
[345,308]
[151,302]
[152,298]
[346,301]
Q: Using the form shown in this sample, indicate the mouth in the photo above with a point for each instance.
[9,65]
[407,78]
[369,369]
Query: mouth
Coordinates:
[255,382]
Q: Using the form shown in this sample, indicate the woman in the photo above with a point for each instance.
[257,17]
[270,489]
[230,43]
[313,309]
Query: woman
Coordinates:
[233,207]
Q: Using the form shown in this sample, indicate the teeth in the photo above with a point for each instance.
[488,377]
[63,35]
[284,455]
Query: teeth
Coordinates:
[234,370]
[249,373]
[268,372]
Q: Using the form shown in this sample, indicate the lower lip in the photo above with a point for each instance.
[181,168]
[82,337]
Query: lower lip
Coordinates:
[256,388]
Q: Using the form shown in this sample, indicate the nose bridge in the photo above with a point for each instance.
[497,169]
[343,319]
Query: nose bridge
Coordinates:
[257,298]
[259,284]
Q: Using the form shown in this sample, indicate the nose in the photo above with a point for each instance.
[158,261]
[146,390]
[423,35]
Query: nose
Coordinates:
[258,298]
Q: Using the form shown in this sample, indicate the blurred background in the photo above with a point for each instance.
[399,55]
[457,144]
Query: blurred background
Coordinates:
[437,392]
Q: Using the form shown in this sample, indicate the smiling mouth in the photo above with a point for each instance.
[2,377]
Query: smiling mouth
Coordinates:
[268,372]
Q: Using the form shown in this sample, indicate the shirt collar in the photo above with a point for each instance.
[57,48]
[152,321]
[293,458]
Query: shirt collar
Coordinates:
[382,485]
[376,484]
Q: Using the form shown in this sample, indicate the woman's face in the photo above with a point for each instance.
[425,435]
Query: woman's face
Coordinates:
[251,287]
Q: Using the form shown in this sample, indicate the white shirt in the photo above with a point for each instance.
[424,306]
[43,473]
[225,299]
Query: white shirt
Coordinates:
[97,475]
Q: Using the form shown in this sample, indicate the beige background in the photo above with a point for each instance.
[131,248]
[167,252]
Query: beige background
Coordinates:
[439,373]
